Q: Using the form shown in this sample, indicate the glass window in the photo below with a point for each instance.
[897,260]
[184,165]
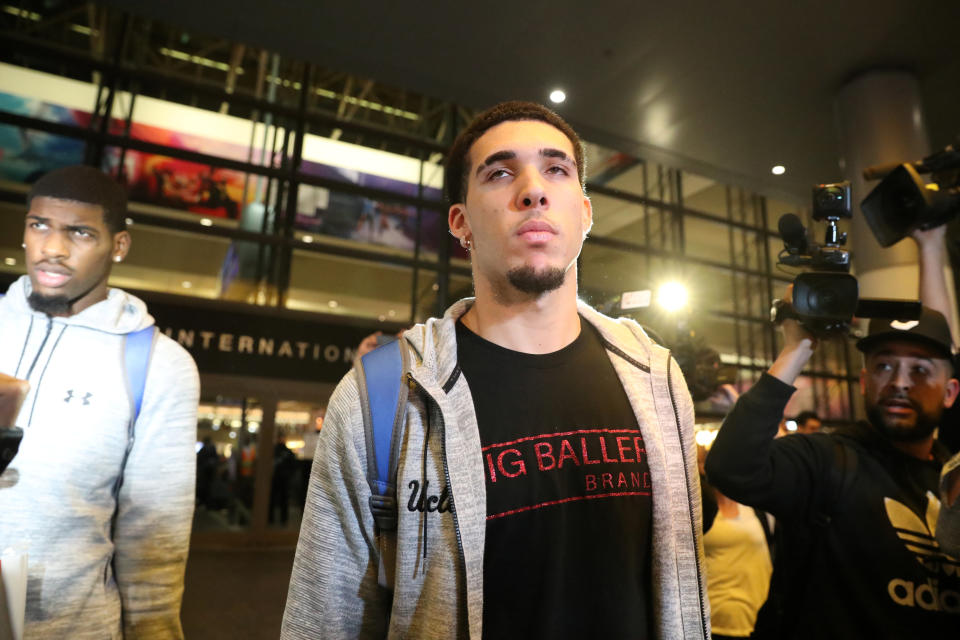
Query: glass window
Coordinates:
[176,261]
[297,426]
[227,434]
[703,194]
[349,286]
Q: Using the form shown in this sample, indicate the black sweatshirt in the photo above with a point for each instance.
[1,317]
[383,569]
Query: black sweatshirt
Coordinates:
[857,556]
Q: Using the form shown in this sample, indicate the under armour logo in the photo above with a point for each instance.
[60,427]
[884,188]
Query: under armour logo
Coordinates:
[85,399]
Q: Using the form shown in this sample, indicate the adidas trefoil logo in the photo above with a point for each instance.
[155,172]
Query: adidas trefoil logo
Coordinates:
[918,537]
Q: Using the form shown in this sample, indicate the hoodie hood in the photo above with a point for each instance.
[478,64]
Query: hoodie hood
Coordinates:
[120,313]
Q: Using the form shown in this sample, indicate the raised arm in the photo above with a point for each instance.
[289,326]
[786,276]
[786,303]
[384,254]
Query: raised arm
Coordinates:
[746,463]
[932,257]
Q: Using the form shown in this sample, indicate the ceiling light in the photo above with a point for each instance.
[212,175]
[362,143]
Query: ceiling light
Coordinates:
[672,296]
[129,222]
[207,222]
[308,239]
[333,304]
[186,284]
[10,261]
[778,170]
[557,96]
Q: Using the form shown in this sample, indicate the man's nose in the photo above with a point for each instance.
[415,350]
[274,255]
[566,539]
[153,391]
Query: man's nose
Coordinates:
[54,245]
[900,378]
[531,193]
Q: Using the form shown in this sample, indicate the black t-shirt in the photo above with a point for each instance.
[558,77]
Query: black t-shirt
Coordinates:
[567,550]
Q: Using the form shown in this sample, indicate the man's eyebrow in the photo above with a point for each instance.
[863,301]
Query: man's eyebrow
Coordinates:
[37,218]
[499,156]
[555,153]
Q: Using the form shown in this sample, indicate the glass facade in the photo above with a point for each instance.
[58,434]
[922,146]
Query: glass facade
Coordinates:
[281,186]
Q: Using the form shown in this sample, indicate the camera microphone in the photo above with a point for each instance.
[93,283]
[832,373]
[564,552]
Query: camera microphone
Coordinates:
[793,233]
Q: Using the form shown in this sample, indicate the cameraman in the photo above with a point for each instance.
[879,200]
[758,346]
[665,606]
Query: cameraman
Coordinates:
[933,292]
[857,557]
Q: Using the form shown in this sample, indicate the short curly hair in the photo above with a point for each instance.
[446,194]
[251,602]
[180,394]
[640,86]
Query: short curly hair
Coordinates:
[81,183]
[458,165]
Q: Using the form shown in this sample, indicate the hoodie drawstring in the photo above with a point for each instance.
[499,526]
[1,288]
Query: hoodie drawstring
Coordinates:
[423,480]
[36,390]
[23,351]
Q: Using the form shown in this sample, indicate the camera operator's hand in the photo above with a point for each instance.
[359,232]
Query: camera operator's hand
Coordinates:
[928,239]
[932,257]
[798,345]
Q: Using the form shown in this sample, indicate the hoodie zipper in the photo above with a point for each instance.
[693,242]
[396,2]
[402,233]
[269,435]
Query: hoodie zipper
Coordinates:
[693,528]
[411,381]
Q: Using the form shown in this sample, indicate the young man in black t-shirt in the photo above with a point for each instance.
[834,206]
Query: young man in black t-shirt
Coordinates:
[547,475]
[568,488]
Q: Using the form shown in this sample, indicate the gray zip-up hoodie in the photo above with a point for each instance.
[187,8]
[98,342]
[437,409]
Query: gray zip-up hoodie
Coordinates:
[434,561]
[57,497]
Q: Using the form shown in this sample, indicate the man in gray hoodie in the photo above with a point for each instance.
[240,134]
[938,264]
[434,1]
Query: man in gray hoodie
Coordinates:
[104,518]
[547,474]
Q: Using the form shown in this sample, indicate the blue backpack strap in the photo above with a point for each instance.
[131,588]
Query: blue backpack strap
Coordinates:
[136,358]
[137,349]
[383,399]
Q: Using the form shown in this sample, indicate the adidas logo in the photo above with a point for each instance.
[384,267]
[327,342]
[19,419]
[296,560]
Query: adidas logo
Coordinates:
[918,537]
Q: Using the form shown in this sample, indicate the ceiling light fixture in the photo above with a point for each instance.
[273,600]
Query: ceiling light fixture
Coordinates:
[778,170]
[557,96]
[207,222]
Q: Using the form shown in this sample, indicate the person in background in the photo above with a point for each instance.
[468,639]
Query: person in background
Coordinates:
[808,422]
[738,568]
[934,293]
[105,519]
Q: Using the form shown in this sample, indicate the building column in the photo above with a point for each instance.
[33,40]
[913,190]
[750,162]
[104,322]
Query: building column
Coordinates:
[880,120]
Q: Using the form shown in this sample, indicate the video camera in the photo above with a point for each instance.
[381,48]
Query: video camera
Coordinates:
[826,299]
[902,202]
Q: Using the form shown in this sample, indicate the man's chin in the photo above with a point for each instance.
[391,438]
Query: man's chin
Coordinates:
[536,281]
[52,305]
[903,428]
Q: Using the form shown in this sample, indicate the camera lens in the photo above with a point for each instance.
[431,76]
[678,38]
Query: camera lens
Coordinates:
[828,197]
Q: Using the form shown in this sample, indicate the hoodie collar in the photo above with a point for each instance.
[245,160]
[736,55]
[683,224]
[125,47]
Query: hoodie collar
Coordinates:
[120,313]
[431,340]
